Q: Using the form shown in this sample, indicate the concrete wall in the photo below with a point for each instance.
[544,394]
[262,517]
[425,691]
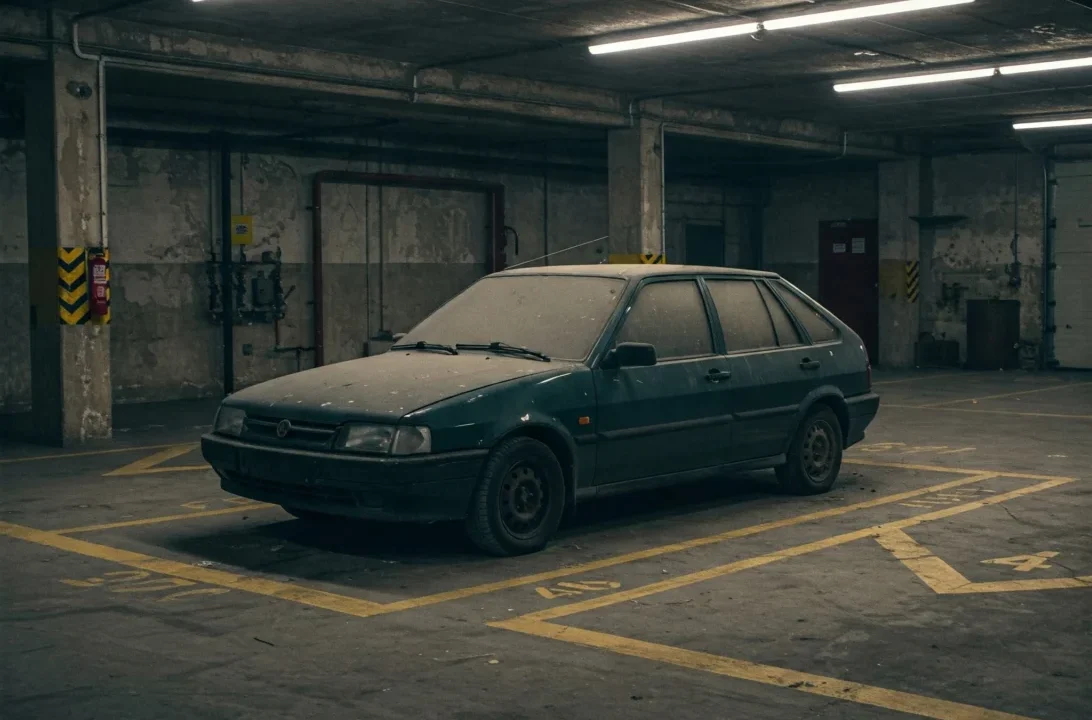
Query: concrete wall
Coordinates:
[798,202]
[992,191]
[164,220]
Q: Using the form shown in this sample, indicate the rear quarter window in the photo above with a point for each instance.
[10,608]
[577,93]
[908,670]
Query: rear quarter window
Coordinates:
[820,329]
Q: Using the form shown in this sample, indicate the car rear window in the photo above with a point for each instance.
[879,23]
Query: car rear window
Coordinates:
[560,315]
[671,317]
[743,317]
[817,326]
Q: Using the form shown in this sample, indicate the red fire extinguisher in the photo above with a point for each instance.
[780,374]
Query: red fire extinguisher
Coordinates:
[98,267]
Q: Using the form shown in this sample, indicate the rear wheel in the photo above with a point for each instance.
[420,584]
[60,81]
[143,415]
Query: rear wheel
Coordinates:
[519,500]
[815,456]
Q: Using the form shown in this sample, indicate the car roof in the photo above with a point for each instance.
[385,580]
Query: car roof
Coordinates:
[635,271]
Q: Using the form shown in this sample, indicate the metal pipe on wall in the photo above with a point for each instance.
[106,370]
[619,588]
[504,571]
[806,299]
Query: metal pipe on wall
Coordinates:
[226,296]
[497,259]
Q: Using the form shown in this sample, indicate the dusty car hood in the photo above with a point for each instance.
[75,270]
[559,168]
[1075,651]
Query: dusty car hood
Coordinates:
[383,386]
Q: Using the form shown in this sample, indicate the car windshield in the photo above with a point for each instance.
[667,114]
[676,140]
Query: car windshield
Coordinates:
[559,315]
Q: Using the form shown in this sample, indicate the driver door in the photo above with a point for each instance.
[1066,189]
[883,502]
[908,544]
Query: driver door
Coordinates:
[670,417]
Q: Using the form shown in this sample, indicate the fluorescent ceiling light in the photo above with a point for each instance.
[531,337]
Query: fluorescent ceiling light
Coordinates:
[858,13]
[1044,66]
[675,39]
[916,80]
[1045,124]
[832,16]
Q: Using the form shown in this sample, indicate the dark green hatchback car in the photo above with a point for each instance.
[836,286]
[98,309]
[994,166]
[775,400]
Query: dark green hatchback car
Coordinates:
[536,389]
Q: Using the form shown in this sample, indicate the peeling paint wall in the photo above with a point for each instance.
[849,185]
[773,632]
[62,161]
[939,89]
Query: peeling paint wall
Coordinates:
[997,194]
[391,256]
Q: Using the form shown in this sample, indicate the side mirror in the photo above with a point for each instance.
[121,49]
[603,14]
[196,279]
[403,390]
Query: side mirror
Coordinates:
[630,355]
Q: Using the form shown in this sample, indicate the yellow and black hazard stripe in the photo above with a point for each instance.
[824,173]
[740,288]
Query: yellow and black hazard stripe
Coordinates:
[72,297]
[912,278]
[637,258]
[103,319]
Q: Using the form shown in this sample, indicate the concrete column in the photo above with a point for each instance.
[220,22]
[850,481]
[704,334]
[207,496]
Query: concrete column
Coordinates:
[70,364]
[899,193]
[635,159]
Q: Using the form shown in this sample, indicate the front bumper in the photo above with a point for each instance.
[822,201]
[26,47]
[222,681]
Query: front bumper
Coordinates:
[417,488]
[862,409]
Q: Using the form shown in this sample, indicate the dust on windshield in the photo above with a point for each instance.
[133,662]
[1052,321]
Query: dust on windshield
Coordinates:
[559,315]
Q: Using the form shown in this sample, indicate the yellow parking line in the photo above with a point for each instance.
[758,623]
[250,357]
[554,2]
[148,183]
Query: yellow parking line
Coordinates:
[696,542]
[681,581]
[88,453]
[162,519]
[1014,413]
[258,586]
[1059,386]
[836,688]
[148,464]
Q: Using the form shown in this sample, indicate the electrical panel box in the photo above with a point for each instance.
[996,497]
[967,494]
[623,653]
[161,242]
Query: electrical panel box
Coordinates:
[262,291]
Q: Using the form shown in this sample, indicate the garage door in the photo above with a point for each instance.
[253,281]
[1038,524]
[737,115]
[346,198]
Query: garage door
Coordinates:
[1073,256]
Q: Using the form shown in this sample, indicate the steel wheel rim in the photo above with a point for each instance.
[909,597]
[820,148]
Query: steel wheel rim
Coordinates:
[818,451]
[524,500]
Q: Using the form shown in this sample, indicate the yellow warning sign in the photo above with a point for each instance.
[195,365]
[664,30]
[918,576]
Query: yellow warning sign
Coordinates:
[242,229]
[72,285]
[638,259]
[912,281]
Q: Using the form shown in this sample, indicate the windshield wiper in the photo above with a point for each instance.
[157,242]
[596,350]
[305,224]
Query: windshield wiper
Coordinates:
[502,347]
[422,345]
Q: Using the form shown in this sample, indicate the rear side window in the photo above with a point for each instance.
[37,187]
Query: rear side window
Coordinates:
[743,317]
[817,326]
[787,334]
[671,317]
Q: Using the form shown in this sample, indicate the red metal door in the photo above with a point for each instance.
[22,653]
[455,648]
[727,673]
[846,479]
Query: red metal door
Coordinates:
[849,276]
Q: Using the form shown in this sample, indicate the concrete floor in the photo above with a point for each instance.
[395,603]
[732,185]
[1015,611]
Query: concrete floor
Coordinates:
[948,575]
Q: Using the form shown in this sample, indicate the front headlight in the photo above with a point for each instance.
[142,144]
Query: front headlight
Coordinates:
[385,439]
[229,421]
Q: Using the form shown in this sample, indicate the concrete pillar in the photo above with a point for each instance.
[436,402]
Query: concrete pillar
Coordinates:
[899,200]
[635,159]
[70,363]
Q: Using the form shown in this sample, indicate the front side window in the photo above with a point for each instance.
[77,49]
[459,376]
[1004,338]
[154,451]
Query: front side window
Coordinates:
[559,315]
[743,317]
[817,326]
[671,317]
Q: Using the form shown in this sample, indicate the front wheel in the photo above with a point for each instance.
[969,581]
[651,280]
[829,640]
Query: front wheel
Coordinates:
[815,456]
[519,500]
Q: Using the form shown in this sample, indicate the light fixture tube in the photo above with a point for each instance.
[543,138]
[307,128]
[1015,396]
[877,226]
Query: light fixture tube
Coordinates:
[822,18]
[1047,124]
[916,80]
[1045,66]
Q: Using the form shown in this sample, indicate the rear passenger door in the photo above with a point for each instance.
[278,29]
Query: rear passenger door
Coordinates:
[762,346]
[670,417]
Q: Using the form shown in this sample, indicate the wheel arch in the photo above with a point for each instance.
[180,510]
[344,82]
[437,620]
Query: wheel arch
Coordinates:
[832,398]
[559,443]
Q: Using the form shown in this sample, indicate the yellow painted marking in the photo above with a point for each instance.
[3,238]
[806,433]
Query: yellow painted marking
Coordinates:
[1024,563]
[957,450]
[195,505]
[209,576]
[193,593]
[998,396]
[791,552]
[754,672]
[595,565]
[880,447]
[944,579]
[991,412]
[148,465]
[162,519]
[917,379]
[566,589]
[961,471]
[88,453]
[153,585]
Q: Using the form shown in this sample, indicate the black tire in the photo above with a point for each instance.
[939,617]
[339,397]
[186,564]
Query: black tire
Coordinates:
[518,502]
[815,455]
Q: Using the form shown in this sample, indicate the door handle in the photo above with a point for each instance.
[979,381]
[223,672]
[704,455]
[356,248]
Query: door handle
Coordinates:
[715,375]
[807,364]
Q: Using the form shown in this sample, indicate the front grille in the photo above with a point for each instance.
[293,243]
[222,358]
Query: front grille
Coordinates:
[305,435]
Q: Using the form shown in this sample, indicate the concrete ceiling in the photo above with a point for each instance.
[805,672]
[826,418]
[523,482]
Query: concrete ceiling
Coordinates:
[785,74]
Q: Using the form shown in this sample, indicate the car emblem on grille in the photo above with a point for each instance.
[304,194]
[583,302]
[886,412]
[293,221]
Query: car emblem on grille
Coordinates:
[283,428]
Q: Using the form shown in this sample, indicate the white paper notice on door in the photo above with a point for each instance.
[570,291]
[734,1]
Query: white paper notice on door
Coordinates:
[859,246]
[839,247]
